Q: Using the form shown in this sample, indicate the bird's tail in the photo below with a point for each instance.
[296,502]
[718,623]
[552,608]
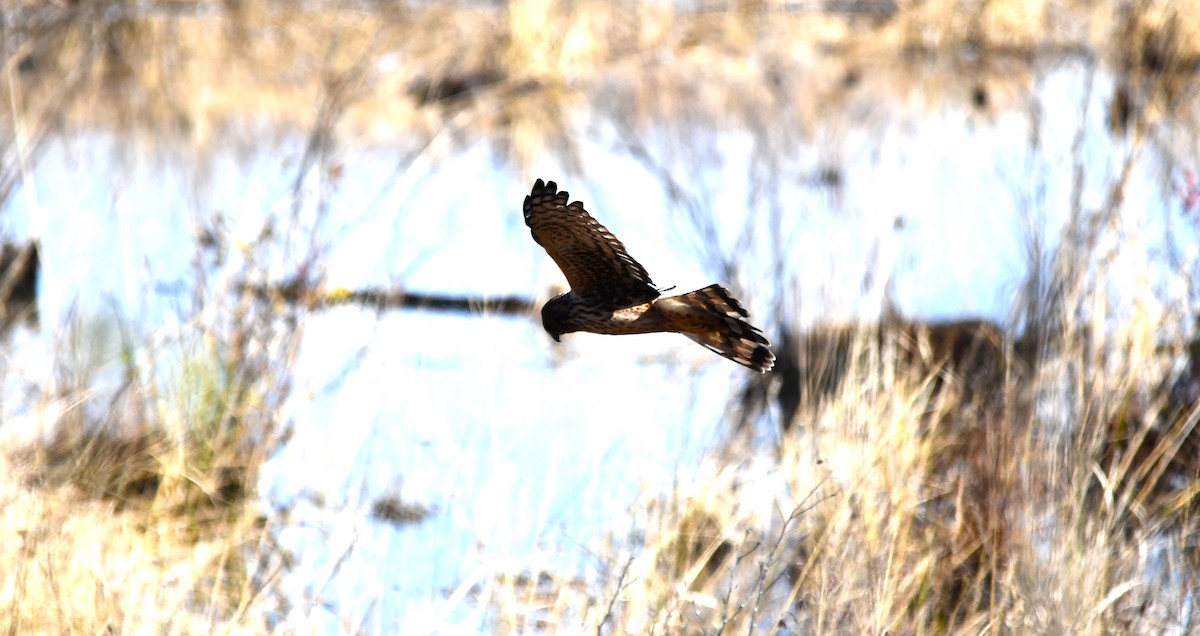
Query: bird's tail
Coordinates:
[714,318]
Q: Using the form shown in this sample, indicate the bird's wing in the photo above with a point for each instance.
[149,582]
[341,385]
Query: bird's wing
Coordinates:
[592,259]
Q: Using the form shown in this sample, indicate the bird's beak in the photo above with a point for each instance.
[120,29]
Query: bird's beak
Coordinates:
[556,337]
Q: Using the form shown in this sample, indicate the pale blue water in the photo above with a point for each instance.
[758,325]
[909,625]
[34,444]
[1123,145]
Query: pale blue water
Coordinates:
[530,454]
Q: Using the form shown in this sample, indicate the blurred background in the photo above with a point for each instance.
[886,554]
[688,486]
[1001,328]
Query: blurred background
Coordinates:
[273,359]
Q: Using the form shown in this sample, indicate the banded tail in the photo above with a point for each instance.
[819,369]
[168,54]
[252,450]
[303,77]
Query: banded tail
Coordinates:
[714,318]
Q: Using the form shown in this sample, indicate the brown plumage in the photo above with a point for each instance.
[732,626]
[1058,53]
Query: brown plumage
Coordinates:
[611,293]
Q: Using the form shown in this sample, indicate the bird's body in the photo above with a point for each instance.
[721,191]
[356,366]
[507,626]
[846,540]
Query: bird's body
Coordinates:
[611,293]
[573,312]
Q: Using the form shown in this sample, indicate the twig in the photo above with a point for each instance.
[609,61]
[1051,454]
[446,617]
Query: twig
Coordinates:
[621,586]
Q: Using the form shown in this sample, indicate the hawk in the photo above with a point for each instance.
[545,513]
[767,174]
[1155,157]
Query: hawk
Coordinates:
[611,293]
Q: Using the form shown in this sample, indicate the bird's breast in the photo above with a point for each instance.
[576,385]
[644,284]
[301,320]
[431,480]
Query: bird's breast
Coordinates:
[643,318]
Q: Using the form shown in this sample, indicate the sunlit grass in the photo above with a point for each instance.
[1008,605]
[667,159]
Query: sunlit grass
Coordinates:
[897,509]
[201,73]
[130,485]
[145,517]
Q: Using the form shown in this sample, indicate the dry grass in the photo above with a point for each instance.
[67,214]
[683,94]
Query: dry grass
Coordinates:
[76,564]
[201,70]
[136,509]
[1062,499]
[118,525]
[899,508]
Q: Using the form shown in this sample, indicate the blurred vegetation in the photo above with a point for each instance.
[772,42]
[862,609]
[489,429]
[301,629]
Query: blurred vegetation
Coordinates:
[512,72]
[944,478]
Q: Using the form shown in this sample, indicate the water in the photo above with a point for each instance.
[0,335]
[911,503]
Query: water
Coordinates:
[527,453]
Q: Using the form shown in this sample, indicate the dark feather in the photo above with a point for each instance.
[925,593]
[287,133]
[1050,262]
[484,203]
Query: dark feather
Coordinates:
[591,258]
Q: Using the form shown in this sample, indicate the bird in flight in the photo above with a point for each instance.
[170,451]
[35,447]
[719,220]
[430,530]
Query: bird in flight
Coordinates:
[611,293]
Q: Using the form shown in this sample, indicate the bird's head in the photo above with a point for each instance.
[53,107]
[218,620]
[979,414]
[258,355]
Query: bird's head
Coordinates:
[556,316]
